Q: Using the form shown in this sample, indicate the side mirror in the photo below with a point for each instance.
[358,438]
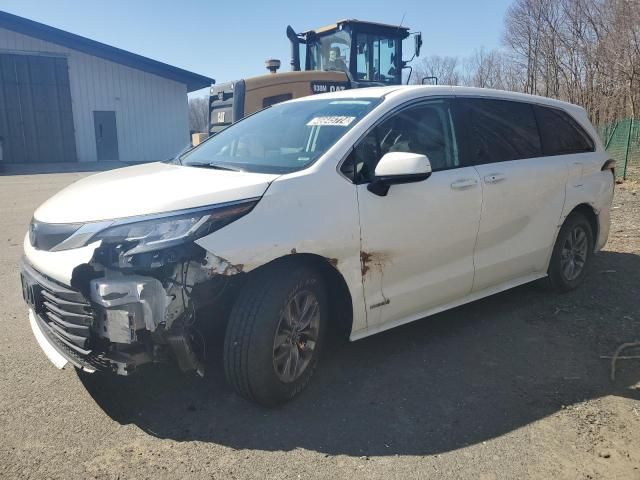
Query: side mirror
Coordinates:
[399,167]
[417,38]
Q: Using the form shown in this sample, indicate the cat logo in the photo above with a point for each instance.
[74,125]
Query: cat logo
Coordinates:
[325,87]
[221,116]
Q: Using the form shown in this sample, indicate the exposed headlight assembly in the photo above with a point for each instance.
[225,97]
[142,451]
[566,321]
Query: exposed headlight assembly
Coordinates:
[154,232]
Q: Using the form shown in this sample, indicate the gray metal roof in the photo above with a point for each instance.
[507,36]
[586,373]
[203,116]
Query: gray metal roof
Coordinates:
[193,81]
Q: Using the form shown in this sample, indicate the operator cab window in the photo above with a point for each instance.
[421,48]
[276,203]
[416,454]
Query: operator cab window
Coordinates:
[426,129]
[331,52]
[376,59]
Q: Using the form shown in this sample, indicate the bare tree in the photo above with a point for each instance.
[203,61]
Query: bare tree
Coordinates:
[523,34]
[621,46]
[485,69]
[199,114]
[583,51]
[445,69]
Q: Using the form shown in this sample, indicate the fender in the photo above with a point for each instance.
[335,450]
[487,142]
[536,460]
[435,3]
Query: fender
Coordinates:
[294,216]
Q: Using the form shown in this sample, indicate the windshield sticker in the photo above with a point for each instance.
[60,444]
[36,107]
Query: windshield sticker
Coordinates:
[336,121]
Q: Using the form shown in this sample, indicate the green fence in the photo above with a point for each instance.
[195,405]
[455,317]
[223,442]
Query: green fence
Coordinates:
[622,142]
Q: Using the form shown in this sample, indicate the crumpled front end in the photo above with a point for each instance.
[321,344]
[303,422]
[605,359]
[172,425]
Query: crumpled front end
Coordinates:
[112,273]
[119,311]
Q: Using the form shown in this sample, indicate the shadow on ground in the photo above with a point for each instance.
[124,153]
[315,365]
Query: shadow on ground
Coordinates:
[458,378]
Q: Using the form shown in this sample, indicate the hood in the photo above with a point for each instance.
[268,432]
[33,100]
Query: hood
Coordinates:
[146,189]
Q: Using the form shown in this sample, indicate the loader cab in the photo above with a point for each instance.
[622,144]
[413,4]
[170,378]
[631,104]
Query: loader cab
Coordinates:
[369,53]
[347,54]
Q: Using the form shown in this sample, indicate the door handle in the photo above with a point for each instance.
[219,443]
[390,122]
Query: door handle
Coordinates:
[464,183]
[494,178]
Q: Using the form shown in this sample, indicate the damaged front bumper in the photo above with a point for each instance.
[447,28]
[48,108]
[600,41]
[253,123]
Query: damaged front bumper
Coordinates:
[117,321]
[118,294]
[65,325]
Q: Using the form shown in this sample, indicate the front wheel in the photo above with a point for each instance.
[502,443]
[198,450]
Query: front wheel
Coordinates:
[572,254]
[274,335]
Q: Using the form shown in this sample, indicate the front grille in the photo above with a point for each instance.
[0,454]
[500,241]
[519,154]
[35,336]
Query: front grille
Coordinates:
[66,318]
[93,361]
[66,312]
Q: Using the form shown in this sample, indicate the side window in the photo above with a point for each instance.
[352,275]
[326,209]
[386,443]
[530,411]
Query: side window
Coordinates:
[376,59]
[383,58]
[426,129]
[560,133]
[501,130]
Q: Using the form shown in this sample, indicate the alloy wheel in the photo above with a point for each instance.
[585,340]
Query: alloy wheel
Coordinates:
[296,336]
[574,253]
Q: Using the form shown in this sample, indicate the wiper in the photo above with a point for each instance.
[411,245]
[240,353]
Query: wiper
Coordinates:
[215,166]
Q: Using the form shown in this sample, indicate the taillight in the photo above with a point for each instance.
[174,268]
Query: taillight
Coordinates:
[610,165]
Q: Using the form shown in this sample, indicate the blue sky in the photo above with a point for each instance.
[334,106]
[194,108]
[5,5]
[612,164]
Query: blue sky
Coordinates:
[231,39]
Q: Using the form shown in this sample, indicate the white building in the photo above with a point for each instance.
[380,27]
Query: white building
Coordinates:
[66,98]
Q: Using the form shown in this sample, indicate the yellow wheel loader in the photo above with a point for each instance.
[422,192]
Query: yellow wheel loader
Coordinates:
[347,54]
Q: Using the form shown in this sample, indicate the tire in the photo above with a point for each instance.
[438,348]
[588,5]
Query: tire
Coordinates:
[561,278]
[255,360]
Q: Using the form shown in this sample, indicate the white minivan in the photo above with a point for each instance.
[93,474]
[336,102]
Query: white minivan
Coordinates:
[362,209]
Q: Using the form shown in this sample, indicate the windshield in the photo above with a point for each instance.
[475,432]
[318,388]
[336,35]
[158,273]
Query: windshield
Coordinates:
[330,52]
[280,139]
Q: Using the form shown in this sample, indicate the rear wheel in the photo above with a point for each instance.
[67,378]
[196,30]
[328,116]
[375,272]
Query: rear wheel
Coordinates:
[275,332]
[572,254]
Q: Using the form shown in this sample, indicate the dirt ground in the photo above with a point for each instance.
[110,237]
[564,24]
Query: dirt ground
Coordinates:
[512,386]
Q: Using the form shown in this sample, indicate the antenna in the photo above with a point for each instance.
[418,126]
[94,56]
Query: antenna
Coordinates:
[402,20]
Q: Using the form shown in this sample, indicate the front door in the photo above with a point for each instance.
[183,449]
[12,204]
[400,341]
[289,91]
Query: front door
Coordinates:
[418,240]
[106,135]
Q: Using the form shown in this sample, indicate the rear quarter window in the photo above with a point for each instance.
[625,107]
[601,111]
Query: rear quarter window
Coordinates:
[561,134]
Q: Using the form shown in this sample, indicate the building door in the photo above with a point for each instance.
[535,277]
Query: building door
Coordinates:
[36,120]
[104,123]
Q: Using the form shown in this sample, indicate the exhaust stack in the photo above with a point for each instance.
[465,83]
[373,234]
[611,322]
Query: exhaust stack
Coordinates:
[295,48]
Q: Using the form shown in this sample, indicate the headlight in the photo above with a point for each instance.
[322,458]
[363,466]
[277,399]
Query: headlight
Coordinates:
[155,232]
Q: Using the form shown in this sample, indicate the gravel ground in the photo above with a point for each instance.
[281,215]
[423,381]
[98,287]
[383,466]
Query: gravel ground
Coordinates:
[511,386]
